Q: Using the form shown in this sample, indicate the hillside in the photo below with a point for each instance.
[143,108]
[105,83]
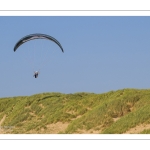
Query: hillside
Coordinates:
[123,111]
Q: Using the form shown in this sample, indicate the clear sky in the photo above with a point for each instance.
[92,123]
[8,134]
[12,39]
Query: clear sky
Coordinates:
[100,54]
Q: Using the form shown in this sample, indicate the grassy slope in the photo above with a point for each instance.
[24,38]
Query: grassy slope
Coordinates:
[112,112]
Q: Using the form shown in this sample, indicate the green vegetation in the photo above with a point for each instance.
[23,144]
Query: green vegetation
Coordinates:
[115,112]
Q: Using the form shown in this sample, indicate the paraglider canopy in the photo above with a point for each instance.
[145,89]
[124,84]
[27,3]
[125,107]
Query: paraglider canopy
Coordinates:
[36,36]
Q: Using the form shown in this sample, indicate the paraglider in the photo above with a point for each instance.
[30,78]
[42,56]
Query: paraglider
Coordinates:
[33,37]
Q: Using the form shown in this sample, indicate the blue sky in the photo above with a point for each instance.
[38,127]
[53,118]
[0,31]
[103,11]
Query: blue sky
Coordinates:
[100,54]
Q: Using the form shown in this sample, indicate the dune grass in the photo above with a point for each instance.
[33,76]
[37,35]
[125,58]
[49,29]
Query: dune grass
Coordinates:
[107,113]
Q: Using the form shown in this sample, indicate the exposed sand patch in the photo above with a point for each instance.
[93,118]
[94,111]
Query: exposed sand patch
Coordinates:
[115,119]
[53,128]
[42,106]
[96,130]
[56,127]
[91,131]
[138,129]
[77,117]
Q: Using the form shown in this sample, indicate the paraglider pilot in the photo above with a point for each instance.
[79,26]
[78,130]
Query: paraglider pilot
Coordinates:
[36,73]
